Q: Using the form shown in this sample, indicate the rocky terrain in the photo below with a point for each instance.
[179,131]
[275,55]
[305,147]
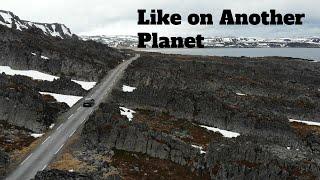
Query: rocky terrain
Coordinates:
[63,85]
[61,57]
[65,175]
[218,42]
[25,112]
[13,141]
[183,117]
[33,48]
[4,161]
[19,99]
[176,101]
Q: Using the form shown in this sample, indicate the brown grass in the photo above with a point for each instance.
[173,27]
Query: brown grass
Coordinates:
[48,98]
[18,143]
[247,164]
[215,169]
[24,151]
[67,162]
[19,155]
[151,168]
[163,122]
[304,129]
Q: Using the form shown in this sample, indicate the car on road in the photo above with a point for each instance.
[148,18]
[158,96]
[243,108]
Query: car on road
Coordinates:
[89,102]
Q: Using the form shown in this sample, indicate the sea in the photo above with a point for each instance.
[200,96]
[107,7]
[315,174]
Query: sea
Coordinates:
[303,53]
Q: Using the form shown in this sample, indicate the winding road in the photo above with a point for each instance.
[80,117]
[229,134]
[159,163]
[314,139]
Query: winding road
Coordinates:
[45,152]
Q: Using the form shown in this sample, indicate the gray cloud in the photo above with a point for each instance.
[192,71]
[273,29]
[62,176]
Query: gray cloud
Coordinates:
[120,16]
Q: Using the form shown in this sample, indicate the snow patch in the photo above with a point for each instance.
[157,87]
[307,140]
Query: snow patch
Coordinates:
[310,123]
[55,34]
[227,134]
[85,85]
[36,135]
[200,148]
[30,73]
[66,30]
[44,57]
[42,76]
[40,27]
[241,94]
[128,88]
[7,19]
[127,112]
[68,99]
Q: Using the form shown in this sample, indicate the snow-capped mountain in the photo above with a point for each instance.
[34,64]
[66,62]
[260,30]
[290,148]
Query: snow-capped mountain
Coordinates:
[253,42]
[115,41]
[10,20]
[219,42]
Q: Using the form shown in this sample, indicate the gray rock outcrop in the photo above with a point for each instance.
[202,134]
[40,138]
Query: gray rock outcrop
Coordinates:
[252,158]
[250,96]
[107,128]
[63,175]
[81,60]
[4,162]
[22,106]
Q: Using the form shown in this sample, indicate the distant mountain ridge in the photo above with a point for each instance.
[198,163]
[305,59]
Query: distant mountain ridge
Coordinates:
[219,42]
[11,20]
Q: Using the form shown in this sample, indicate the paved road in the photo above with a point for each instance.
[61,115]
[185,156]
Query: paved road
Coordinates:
[50,147]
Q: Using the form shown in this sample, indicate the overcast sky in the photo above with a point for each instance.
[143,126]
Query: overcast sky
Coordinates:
[119,17]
